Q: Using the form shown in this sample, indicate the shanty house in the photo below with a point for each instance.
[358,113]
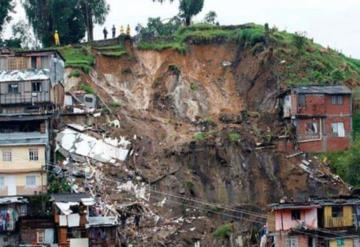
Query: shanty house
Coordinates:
[31,91]
[103,231]
[11,209]
[31,82]
[321,115]
[37,231]
[71,217]
[329,222]
[285,217]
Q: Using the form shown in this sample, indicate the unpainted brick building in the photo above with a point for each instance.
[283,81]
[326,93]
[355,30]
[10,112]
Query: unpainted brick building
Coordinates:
[321,117]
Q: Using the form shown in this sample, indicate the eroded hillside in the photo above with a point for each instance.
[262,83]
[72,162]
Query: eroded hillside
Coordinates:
[204,124]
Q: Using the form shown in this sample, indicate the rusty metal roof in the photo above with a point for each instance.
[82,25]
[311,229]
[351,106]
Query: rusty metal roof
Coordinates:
[336,89]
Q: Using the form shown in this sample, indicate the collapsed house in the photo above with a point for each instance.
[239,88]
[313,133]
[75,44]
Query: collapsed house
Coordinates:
[321,116]
[318,222]
[76,227]
[80,146]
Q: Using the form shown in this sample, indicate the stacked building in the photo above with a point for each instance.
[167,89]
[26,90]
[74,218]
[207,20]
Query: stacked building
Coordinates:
[330,222]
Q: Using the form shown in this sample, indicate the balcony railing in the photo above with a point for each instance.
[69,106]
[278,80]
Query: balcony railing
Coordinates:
[25,98]
[23,138]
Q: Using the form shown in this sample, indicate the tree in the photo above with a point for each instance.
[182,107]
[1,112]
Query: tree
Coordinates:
[155,28]
[188,8]
[94,12]
[46,16]
[6,7]
[210,17]
[22,31]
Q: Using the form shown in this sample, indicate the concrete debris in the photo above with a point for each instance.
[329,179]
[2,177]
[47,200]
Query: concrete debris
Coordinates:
[88,146]
[226,63]
[138,190]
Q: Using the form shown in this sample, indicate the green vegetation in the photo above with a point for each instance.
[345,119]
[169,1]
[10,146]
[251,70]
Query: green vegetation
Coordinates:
[78,57]
[115,105]
[200,136]
[223,231]
[346,164]
[206,33]
[87,88]
[58,185]
[75,73]
[234,136]
[194,86]
[112,51]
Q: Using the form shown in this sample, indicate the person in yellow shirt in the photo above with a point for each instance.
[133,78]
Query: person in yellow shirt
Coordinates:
[56,38]
[121,30]
[128,30]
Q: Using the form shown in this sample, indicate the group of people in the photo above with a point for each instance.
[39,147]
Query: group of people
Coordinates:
[105,32]
[113,30]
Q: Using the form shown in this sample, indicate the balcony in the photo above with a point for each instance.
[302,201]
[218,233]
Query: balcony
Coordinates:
[23,98]
[23,138]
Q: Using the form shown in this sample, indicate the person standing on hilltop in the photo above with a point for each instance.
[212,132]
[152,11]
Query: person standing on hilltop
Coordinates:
[105,32]
[113,31]
[128,30]
[56,38]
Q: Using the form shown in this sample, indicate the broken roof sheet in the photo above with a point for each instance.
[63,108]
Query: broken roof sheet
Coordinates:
[13,200]
[336,89]
[70,197]
[101,221]
[24,75]
[88,146]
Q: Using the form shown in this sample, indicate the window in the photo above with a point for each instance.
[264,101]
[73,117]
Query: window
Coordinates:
[13,88]
[340,242]
[312,128]
[36,86]
[6,155]
[338,129]
[336,211]
[88,99]
[292,242]
[40,237]
[337,100]
[295,215]
[33,154]
[2,182]
[302,100]
[30,181]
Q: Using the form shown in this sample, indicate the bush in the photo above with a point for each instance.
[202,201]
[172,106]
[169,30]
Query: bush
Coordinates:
[75,73]
[234,136]
[200,136]
[87,88]
[299,40]
[223,231]
[337,76]
[194,86]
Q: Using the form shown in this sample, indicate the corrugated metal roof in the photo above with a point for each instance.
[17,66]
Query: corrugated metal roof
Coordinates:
[69,197]
[336,89]
[12,200]
[101,221]
[295,205]
[24,75]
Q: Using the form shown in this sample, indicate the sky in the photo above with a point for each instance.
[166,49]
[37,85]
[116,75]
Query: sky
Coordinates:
[331,23]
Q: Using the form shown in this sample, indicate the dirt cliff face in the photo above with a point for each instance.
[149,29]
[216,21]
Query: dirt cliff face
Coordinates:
[199,118]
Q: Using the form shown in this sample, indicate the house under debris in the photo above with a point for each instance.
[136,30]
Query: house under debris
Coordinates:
[319,118]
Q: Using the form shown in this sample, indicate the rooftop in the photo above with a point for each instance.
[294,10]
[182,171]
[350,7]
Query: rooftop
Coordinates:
[336,89]
[24,75]
[101,221]
[70,197]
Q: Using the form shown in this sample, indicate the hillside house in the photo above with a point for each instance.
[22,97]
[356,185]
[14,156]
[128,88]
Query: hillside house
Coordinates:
[321,115]
[319,222]
[31,82]
[31,92]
